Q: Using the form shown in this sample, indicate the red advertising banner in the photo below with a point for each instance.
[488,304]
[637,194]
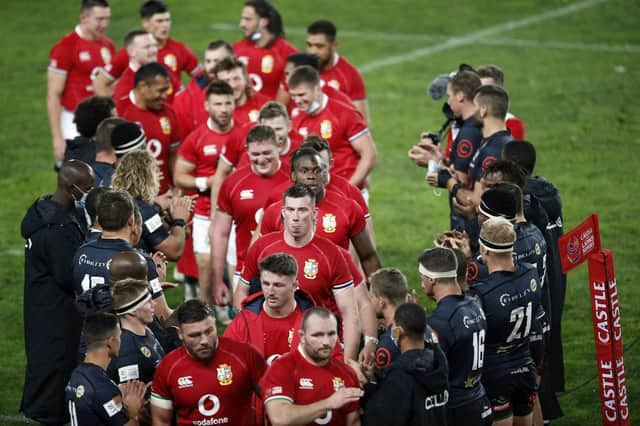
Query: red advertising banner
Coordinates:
[608,338]
[576,245]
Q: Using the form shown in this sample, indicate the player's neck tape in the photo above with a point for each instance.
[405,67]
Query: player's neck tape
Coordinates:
[496,247]
[489,212]
[134,304]
[435,275]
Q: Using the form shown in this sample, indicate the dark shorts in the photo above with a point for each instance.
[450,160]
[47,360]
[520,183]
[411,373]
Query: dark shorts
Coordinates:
[512,391]
[474,413]
[537,349]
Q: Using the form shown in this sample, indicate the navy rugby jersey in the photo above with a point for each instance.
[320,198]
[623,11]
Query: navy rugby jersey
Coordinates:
[90,265]
[466,141]
[137,359]
[153,230]
[465,144]
[489,151]
[461,327]
[511,303]
[91,398]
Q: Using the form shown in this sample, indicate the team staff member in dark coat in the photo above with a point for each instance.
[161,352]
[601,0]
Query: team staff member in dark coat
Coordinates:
[415,384]
[461,327]
[92,398]
[53,232]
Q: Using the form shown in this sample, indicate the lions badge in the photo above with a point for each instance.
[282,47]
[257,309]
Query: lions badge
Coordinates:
[329,223]
[338,383]
[310,269]
[538,250]
[145,351]
[326,130]
[171,62]
[533,285]
[79,391]
[106,55]
[266,66]
[165,125]
[225,377]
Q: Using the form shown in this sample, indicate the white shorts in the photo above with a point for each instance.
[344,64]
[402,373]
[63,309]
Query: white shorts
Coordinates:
[201,242]
[69,129]
[232,258]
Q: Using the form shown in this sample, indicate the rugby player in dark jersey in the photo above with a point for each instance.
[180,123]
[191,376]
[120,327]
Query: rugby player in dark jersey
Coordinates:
[92,398]
[461,327]
[510,297]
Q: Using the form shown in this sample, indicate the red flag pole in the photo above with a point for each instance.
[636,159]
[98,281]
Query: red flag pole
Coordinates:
[577,246]
[608,338]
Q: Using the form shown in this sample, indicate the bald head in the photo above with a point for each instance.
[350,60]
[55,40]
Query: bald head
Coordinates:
[127,264]
[76,172]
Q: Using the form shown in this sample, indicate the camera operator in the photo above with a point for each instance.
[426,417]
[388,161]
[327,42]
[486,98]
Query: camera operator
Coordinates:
[461,88]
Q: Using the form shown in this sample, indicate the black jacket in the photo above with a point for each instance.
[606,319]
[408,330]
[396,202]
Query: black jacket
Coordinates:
[80,148]
[413,392]
[51,323]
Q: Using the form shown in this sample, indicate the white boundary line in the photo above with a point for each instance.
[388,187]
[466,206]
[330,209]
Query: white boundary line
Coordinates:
[12,252]
[554,44]
[501,41]
[223,26]
[16,419]
[475,36]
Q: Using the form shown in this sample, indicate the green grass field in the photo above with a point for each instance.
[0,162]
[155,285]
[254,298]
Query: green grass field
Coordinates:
[572,73]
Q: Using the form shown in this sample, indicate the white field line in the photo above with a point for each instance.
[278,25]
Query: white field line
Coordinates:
[15,419]
[12,252]
[492,41]
[370,35]
[475,36]
[554,44]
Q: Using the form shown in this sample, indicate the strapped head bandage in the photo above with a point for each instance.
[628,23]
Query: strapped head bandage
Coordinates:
[444,274]
[136,303]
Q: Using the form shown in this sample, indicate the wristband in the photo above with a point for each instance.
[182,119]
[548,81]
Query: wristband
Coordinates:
[443,177]
[179,222]
[371,339]
[201,184]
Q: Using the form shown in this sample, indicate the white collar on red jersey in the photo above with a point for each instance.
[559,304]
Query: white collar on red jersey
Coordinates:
[336,58]
[323,105]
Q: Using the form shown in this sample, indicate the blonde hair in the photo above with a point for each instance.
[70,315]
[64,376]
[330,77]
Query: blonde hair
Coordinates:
[137,173]
[497,234]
